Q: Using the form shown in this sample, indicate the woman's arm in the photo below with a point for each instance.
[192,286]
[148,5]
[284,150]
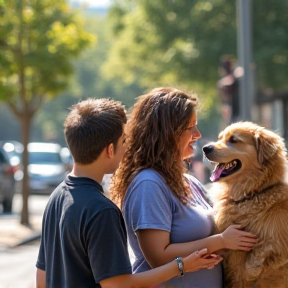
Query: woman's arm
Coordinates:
[156,247]
[163,273]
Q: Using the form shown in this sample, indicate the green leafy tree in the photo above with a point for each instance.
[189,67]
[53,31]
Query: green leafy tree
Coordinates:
[171,42]
[38,39]
[270,44]
[87,81]
[180,43]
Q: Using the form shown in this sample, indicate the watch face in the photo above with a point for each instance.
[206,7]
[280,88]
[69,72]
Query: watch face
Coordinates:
[180,265]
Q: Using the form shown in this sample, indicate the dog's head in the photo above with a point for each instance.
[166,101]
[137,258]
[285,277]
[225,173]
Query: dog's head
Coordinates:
[245,150]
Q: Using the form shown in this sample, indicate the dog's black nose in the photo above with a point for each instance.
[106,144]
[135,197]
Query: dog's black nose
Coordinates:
[208,149]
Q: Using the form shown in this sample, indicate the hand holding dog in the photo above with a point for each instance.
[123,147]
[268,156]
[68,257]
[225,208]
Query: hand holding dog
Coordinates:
[236,239]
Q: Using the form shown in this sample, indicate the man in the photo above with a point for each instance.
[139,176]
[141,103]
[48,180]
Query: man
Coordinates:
[84,241]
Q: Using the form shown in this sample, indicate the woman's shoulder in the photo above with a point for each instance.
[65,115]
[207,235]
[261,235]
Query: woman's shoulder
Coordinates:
[148,174]
[149,179]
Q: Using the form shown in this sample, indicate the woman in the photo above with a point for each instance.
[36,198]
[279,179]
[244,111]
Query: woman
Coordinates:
[166,212]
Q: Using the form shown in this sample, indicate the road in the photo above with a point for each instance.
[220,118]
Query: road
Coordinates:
[17,265]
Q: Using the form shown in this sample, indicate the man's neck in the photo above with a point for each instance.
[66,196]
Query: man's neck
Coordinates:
[92,171]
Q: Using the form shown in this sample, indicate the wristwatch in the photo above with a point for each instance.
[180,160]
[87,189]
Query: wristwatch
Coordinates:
[180,265]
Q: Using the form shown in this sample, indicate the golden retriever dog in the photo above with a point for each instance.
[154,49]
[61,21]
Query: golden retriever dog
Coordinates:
[249,175]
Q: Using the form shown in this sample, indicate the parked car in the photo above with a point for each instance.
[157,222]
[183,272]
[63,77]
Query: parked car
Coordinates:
[7,181]
[14,150]
[67,158]
[46,168]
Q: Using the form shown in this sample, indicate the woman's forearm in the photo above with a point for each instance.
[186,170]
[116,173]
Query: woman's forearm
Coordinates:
[212,243]
[158,250]
[192,262]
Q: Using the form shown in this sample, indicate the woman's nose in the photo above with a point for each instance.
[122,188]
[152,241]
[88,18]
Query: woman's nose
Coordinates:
[196,134]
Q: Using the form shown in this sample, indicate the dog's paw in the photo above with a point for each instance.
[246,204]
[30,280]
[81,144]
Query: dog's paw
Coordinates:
[252,273]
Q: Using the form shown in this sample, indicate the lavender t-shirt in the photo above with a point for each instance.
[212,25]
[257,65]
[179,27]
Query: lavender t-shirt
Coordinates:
[150,204]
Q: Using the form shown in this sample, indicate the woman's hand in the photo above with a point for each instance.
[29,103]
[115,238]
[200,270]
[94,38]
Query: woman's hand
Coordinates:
[199,260]
[236,239]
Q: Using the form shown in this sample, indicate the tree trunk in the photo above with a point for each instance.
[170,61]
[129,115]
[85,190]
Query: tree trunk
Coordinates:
[25,131]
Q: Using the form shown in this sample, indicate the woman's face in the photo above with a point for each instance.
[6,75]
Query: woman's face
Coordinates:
[188,138]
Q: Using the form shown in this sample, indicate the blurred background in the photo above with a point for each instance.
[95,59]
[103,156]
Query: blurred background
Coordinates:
[54,53]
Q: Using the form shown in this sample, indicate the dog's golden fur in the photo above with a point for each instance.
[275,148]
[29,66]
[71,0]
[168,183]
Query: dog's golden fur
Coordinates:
[256,196]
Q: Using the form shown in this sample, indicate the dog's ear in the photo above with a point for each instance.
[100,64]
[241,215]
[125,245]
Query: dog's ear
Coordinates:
[267,143]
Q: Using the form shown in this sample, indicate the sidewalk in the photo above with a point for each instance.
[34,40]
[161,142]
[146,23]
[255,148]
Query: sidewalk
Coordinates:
[12,233]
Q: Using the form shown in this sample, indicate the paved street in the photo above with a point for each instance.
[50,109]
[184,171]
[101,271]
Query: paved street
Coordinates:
[17,265]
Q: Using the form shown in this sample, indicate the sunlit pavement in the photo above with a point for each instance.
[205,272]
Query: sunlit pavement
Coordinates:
[17,266]
[12,232]
[17,263]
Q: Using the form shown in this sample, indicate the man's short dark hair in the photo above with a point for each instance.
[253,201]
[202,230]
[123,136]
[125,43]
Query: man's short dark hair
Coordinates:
[92,125]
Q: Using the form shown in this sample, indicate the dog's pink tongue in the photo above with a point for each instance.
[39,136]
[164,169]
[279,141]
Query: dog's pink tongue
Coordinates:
[216,174]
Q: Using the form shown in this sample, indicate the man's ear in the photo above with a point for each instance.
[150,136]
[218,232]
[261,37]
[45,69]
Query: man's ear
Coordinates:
[110,150]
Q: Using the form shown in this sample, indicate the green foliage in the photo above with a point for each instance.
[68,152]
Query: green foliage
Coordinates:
[38,40]
[271,43]
[172,42]
[87,81]
[179,43]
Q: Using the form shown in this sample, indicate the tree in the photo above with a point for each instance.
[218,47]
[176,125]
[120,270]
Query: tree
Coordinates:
[87,81]
[270,44]
[171,41]
[38,39]
[180,43]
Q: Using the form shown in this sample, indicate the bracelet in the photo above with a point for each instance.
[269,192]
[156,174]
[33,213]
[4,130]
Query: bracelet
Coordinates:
[180,265]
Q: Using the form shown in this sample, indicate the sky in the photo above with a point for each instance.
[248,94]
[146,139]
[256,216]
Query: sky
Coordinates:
[95,3]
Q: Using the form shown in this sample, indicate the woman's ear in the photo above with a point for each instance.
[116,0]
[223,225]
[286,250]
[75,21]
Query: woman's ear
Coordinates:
[110,150]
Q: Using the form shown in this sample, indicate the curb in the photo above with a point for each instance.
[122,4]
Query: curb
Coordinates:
[27,240]
[13,234]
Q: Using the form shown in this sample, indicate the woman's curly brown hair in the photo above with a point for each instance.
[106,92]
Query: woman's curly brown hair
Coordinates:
[155,125]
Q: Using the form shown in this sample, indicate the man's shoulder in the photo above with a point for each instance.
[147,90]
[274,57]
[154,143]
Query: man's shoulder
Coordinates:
[86,195]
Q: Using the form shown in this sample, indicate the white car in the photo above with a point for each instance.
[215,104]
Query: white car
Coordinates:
[46,169]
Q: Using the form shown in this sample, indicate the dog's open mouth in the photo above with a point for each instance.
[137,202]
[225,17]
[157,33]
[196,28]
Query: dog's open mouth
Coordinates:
[225,169]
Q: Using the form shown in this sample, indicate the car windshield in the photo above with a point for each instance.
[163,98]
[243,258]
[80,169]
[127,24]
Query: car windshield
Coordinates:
[44,157]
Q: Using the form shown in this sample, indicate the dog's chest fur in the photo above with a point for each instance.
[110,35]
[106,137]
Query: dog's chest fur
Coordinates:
[253,213]
[247,211]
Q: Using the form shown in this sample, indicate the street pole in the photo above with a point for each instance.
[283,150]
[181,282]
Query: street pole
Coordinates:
[244,58]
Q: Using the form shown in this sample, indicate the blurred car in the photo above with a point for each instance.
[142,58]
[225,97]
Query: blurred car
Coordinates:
[14,150]
[7,180]
[67,158]
[46,167]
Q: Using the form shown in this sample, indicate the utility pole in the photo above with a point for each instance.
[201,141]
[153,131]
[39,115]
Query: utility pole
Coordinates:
[244,57]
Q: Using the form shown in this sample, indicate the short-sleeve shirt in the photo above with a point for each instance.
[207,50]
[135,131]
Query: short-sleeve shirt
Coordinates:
[84,238]
[150,204]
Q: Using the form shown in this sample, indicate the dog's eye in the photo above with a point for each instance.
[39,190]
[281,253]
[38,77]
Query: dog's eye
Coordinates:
[233,139]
